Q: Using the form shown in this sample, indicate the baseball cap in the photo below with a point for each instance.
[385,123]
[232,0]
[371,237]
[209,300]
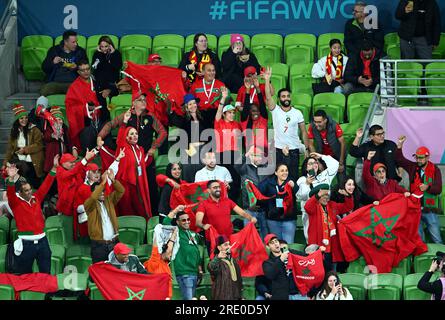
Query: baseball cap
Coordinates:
[67,157]
[377,166]
[422,151]
[92,167]
[236,38]
[249,70]
[154,56]
[269,237]
[228,107]
[121,248]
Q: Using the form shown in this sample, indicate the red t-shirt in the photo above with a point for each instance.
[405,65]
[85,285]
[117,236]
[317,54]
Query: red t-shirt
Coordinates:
[257,135]
[209,96]
[226,135]
[326,149]
[218,214]
[253,94]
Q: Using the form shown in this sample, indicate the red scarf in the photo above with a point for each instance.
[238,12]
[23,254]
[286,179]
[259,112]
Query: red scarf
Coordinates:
[428,179]
[338,67]
[367,65]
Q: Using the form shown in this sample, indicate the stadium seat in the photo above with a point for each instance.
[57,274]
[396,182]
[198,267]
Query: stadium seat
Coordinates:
[299,233]
[57,258]
[303,102]
[32,295]
[4,230]
[267,48]
[404,267]
[355,283]
[92,43]
[143,252]
[79,256]
[299,48]
[73,281]
[358,266]
[67,222]
[435,74]
[95,293]
[211,38]
[393,51]
[357,107]
[442,225]
[161,164]
[439,52]
[323,48]
[6,292]
[33,52]
[391,39]
[297,246]
[54,230]
[384,286]
[169,47]
[332,103]
[81,41]
[131,230]
[135,48]
[224,43]
[150,228]
[13,230]
[3,249]
[280,75]
[248,291]
[300,78]
[410,290]
[407,84]
[422,262]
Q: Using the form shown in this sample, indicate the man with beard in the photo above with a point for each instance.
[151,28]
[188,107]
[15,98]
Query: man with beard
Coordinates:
[212,171]
[287,122]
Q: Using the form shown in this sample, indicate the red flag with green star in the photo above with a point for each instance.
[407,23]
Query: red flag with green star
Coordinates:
[248,249]
[383,234]
[308,271]
[116,284]
[253,193]
[191,195]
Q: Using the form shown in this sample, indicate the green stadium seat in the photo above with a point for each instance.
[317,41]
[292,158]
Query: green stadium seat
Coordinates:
[439,52]
[422,262]
[177,295]
[303,102]
[152,222]
[135,48]
[357,266]
[131,229]
[67,222]
[161,164]
[169,47]
[355,283]
[81,41]
[6,292]
[435,74]
[407,72]
[79,256]
[357,107]
[32,295]
[93,42]
[224,43]
[206,291]
[249,291]
[54,230]
[323,48]
[393,51]
[434,247]
[297,246]
[299,48]
[332,103]
[404,267]
[57,258]
[384,286]
[391,39]
[211,38]
[3,249]
[95,293]
[410,290]
[143,252]
[280,75]
[4,230]
[32,54]
[13,231]
[300,78]
[442,225]
[299,233]
[73,281]
[267,48]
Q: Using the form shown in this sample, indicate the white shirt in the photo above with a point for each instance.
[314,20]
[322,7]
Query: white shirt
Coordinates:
[219,173]
[286,128]
[21,143]
[319,69]
[107,226]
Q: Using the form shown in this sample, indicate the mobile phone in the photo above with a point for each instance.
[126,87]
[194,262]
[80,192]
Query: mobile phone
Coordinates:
[311,172]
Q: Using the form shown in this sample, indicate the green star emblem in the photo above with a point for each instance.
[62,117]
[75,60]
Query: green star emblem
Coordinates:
[306,271]
[243,254]
[198,196]
[371,232]
[159,95]
[135,295]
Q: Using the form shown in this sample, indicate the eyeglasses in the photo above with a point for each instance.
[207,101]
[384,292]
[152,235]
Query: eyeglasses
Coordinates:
[185,220]
[380,134]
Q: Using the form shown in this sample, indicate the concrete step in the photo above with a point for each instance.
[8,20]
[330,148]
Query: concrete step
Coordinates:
[6,118]
[4,132]
[27,99]
[3,147]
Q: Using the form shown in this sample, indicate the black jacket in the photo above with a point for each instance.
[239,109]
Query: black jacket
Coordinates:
[355,67]
[408,21]
[57,72]
[106,70]
[355,36]
[385,153]
[431,287]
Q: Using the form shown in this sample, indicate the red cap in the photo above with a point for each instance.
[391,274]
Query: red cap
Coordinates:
[249,70]
[67,157]
[377,166]
[92,167]
[121,248]
[422,151]
[269,237]
[153,57]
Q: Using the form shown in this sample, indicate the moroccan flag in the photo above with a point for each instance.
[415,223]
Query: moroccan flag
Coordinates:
[248,250]
[115,284]
[253,193]
[383,234]
[308,271]
[159,83]
[38,282]
[191,195]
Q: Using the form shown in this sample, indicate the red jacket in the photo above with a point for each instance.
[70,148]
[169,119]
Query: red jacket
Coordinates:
[29,215]
[68,182]
[375,189]
[315,230]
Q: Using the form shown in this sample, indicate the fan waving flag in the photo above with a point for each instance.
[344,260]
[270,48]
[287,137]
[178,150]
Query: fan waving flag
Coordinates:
[253,193]
[159,83]
[115,284]
[384,234]
[308,271]
[248,250]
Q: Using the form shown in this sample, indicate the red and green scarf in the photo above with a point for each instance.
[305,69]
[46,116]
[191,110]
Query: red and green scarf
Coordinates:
[338,67]
[430,201]
[254,195]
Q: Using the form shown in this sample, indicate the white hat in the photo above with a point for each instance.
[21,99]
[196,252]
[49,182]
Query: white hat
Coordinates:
[228,107]
[42,100]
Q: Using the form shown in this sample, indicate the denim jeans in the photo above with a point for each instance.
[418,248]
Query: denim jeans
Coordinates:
[284,230]
[187,284]
[297,297]
[261,218]
[39,251]
[432,223]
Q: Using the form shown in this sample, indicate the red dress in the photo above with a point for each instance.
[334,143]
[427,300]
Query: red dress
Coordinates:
[133,176]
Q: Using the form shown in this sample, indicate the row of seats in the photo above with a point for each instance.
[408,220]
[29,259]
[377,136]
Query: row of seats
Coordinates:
[268,47]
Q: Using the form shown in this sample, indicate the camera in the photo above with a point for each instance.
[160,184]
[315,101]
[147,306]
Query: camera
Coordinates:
[439,257]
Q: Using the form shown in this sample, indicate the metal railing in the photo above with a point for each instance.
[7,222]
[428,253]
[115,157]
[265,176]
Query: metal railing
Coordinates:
[375,108]
[396,77]
[10,11]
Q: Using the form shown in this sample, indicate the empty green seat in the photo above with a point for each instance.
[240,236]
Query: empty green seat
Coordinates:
[95,293]
[358,106]
[33,52]
[442,225]
[93,42]
[6,292]
[280,75]
[439,52]
[355,283]
[211,38]
[150,228]
[135,48]
[4,230]
[391,39]
[57,258]
[131,229]
[224,43]
[384,286]
[267,47]
[358,266]
[161,164]
[332,103]
[300,78]
[169,47]
[323,48]
[32,295]
[299,48]
[3,249]
[435,74]
[299,233]
[404,267]
[79,256]
[297,246]
[81,41]
[393,51]
[410,290]
[143,252]
[13,233]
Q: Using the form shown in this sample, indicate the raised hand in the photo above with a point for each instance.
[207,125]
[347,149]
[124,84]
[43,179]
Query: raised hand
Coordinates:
[121,154]
[371,154]
[359,133]
[90,155]
[267,73]
[56,161]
